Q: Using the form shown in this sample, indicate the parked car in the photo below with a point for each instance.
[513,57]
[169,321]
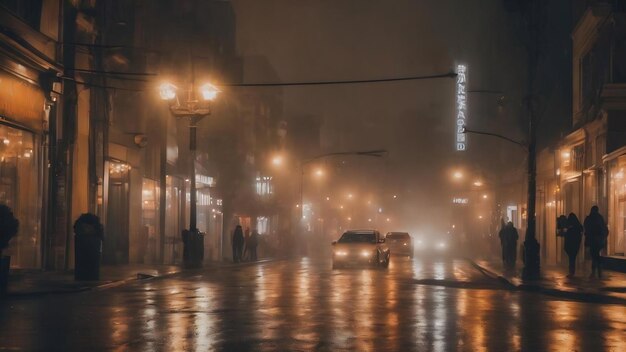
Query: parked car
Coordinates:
[361,247]
[400,243]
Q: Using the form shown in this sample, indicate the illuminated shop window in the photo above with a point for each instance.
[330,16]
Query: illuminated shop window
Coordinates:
[264,185]
[262,224]
[19,190]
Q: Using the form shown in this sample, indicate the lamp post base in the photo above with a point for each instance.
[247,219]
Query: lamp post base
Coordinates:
[193,248]
[531,269]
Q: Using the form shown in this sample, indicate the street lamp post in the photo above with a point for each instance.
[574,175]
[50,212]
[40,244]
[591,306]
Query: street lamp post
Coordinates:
[193,110]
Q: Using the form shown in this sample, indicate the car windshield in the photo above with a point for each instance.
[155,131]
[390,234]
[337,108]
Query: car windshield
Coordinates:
[355,237]
[398,236]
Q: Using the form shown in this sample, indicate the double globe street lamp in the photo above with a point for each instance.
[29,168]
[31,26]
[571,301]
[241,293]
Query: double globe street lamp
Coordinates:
[193,107]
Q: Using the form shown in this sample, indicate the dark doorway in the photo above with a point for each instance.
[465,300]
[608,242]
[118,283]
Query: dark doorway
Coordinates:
[116,231]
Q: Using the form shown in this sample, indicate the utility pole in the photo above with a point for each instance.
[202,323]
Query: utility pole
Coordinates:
[532,23]
[531,245]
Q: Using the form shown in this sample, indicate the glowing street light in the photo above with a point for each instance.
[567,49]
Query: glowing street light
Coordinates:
[368,153]
[167,91]
[350,195]
[484,196]
[209,91]
[457,175]
[319,172]
[478,183]
[193,111]
[277,160]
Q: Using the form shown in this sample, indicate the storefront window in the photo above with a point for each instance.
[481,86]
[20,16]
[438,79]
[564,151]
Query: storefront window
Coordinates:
[262,225]
[19,190]
[150,220]
[264,185]
[617,206]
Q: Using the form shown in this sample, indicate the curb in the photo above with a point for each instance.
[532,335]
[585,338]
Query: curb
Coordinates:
[135,278]
[591,297]
[493,275]
[100,287]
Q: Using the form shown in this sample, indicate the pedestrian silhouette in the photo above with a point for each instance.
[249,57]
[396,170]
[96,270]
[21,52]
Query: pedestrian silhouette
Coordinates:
[246,249]
[502,235]
[573,237]
[510,243]
[8,226]
[596,233]
[253,242]
[237,244]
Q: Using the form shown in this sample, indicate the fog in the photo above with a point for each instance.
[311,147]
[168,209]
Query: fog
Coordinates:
[414,120]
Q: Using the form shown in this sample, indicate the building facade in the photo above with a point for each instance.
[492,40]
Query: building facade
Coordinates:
[585,168]
[30,124]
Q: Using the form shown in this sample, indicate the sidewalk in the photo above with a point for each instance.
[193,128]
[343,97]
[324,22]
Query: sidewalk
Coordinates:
[24,283]
[610,289]
[31,283]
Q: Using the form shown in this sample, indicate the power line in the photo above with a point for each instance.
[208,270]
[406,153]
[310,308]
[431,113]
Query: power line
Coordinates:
[320,83]
[269,84]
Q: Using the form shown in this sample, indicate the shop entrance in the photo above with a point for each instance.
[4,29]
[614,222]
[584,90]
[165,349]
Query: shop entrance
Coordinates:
[116,230]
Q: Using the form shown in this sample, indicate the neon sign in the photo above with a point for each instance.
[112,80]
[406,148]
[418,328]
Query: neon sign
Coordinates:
[461,107]
[460,200]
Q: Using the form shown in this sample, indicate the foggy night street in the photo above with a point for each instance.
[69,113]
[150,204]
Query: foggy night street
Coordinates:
[303,305]
[280,175]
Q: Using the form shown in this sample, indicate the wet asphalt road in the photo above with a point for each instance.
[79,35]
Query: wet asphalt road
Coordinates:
[303,305]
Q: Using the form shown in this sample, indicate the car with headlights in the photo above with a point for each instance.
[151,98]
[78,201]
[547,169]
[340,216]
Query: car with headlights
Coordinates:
[356,247]
[400,243]
[433,246]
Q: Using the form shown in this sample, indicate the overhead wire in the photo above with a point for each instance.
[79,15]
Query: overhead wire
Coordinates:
[266,84]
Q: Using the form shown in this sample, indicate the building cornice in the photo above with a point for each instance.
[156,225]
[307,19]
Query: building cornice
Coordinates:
[575,137]
[30,47]
[585,33]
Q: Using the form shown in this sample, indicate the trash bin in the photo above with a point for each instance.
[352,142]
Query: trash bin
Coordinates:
[193,248]
[88,236]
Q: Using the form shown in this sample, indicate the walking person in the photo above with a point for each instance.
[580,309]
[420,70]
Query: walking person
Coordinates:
[596,233]
[237,244]
[502,235]
[246,250]
[573,237]
[253,242]
[511,237]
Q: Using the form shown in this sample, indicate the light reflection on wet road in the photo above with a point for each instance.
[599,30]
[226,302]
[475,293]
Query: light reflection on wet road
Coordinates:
[304,305]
